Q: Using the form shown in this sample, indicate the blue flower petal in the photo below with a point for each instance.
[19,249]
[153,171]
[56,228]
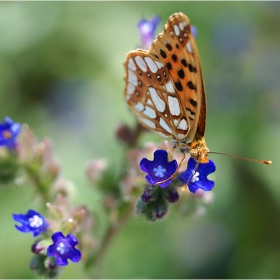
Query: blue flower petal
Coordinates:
[75,255]
[9,131]
[32,222]
[147,30]
[57,236]
[52,250]
[64,248]
[159,169]
[197,179]
[194,31]
[61,261]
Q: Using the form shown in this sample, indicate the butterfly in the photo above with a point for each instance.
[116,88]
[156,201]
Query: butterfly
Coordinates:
[164,88]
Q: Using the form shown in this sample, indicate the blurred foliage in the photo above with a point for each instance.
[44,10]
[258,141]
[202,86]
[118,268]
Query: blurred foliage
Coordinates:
[61,72]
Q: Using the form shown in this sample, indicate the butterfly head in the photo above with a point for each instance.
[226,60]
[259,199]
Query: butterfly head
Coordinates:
[199,151]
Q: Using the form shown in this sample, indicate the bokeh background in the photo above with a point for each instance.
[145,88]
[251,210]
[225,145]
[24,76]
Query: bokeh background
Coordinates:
[61,72]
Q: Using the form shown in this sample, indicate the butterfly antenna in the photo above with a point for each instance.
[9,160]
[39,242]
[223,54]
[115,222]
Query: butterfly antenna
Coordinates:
[176,171]
[244,158]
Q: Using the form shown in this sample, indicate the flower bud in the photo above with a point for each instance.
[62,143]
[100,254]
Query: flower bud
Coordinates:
[171,194]
[149,193]
[36,248]
[161,208]
[44,266]
[124,133]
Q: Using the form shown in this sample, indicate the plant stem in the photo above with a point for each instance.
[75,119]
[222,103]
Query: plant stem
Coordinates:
[108,237]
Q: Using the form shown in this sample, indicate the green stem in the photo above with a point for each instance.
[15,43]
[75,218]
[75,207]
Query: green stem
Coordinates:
[107,240]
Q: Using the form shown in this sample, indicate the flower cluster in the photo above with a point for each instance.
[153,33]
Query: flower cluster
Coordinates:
[62,249]
[163,188]
[160,169]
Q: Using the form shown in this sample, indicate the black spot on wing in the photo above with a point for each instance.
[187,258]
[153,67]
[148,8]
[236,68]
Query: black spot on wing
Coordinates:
[168,65]
[191,112]
[174,57]
[184,62]
[168,46]
[181,74]
[178,85]
[190,67]
[193,102]
[191,85]
[163,53]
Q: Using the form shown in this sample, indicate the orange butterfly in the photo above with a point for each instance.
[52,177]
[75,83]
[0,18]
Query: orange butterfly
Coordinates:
[164,88]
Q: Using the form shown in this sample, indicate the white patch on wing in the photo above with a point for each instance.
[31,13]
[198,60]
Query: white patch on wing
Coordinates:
[176,122]
[151,64]
[159,64]
[183,124]
[149,112]
[174,106]
[131,65]
[130,88]
[139,106]
[147,122]
[169,87]
[189,47]
[164,125]
[176,30]
[181,25]
[141,63]
[132,78]
[159,103]
[149,102]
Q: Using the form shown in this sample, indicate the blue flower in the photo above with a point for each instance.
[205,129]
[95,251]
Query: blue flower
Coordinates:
[147,30]
[32,221]
[9,131]
[63,248]
[197,179]
[194,31]
[159,169]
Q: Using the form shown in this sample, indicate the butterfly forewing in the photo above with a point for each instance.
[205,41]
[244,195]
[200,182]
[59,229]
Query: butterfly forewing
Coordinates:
[164,86]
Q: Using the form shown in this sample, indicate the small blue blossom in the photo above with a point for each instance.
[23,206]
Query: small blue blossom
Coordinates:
[159,169]
[147,30]
[198,179]
[32,221]
[63,248]
[9,131]
[194,31]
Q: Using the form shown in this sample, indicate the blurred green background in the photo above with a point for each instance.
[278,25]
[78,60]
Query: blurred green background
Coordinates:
[61,72]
